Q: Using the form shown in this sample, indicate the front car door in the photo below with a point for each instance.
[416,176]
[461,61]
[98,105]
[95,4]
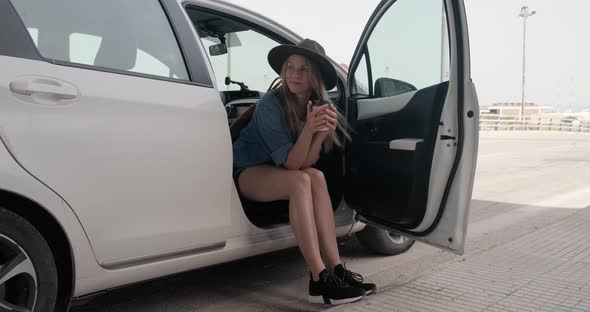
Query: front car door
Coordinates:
[414,111]
[116,112]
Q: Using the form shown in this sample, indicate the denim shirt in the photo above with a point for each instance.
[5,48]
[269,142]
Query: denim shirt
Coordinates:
[265,140]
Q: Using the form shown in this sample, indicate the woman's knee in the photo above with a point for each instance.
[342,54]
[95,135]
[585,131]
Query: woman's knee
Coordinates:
[316,176]
[299,181]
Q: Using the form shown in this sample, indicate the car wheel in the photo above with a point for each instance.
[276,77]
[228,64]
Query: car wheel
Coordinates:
[28,276]
[384,242]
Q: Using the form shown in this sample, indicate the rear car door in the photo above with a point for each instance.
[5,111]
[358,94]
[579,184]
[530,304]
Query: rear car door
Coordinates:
[411,163]
[114,109]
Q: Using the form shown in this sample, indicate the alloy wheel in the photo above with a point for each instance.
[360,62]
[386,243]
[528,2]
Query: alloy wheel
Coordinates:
[18,280]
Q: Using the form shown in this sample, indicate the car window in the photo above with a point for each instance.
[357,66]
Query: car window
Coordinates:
[362,77]
[245,60]
[120,35]
[34,32]
[408,49]
[84,48]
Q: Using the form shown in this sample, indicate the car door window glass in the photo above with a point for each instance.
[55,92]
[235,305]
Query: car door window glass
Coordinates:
[84,48]
[362,77]
[120,35]
[408,48]
[34,32]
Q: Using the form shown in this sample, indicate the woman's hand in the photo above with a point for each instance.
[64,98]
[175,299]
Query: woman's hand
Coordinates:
[331,117]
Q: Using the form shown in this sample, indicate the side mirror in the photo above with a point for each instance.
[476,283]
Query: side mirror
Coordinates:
[385,87]
[218,49]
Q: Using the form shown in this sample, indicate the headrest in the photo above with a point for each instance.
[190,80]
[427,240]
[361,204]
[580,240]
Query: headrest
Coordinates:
[118,48]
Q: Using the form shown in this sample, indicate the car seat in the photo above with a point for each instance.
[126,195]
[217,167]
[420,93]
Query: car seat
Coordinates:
[261,214]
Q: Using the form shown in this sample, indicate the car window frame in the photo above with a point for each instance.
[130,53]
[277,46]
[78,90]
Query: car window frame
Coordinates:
[251,26]
[364,50]
[191,54]
[16,40]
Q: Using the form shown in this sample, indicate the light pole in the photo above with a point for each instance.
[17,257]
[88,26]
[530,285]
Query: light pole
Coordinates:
[524,13]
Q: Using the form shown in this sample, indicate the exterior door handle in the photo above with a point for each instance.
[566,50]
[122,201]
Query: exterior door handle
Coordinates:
[43,86]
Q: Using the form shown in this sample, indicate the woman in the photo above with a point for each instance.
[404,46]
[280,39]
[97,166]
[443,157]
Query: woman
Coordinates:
[273,160]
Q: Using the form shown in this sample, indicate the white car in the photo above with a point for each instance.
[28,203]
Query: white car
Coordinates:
[116,159]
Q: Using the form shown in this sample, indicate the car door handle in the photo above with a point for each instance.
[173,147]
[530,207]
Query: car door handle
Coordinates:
[43,86]
[408,144]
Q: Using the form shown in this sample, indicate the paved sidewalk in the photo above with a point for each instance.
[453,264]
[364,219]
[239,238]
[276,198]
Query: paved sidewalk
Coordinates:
[546,270]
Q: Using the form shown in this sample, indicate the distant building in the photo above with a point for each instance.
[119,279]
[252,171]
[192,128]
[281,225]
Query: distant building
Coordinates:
[513,109]
[583,116]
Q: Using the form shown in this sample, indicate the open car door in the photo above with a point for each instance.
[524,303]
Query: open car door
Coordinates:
[414,113]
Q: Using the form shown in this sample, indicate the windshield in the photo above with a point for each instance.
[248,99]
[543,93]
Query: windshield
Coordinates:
[245,60]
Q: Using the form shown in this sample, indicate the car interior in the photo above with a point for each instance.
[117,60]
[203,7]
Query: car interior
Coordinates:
[383,181]
[240,104]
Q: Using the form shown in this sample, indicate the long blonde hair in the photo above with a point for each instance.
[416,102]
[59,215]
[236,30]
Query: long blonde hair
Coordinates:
[291,118]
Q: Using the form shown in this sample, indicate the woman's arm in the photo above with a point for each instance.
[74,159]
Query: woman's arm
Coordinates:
[299,152]
[314,151]
[306,150]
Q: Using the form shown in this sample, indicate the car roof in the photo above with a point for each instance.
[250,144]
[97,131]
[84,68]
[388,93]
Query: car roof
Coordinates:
[245,14]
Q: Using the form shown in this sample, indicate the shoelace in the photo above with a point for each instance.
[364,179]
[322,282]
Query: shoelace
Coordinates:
[332,279]
[348,274]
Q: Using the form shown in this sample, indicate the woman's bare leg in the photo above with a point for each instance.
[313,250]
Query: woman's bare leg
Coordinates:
[267,183]
[324,217]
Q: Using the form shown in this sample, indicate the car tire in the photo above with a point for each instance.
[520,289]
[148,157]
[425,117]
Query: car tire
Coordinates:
[28,274]
[384,242]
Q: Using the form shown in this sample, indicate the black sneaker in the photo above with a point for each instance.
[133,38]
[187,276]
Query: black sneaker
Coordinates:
[329,289]
[354,279]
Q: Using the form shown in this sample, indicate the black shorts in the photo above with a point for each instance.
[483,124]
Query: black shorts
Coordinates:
[236,175]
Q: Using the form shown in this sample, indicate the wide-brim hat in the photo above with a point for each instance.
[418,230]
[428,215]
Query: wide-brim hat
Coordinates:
[310,49]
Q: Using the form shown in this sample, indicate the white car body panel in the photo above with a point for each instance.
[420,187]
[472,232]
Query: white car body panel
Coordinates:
[452,227]
[14,179]
[172,165]
[445,151]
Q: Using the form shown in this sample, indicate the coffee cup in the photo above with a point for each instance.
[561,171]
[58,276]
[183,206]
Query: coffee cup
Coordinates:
[316,104]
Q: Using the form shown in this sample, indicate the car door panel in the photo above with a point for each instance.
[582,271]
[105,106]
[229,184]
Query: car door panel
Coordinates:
[143,166]
[381,106]
[371,162]
[143,160]
[410,167]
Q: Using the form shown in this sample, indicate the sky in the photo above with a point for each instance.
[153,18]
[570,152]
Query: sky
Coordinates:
[557,52]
